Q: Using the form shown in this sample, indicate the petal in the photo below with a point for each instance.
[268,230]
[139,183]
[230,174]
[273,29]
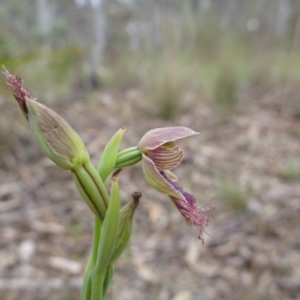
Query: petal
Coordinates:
[188,208]
[157,181]
[171,176]
[159,136]
[166,158]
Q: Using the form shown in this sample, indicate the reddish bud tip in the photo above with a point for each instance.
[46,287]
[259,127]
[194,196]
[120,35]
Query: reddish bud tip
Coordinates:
[15,84]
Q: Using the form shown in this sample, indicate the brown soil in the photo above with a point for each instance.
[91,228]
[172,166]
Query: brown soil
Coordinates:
[246,164]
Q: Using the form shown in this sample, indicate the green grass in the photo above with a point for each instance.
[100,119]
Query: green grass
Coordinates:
[48,72]
[203,59]
[164,83]
[193,55]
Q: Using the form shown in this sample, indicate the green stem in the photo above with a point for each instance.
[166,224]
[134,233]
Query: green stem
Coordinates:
[128,157]
[93,258]
[127,150]
[88,281]
[108,277]
[83,183]
[128,163]
[96,240]
[85,293]
[91,188]
[98,182]
[97,285]
[106,244]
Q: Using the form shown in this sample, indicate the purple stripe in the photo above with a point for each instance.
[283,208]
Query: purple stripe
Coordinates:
[189,198]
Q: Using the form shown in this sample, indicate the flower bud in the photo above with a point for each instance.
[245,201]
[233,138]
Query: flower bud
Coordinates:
[54,135]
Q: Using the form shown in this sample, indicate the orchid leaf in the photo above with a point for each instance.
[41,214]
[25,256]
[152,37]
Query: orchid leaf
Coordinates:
[108,158]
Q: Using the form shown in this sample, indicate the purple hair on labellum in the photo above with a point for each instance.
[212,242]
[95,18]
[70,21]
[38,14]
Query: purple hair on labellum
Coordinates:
[189,209]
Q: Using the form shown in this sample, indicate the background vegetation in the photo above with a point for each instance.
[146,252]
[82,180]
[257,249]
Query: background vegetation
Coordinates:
[169,47]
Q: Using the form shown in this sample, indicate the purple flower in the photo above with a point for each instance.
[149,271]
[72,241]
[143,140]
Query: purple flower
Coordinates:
[160,155]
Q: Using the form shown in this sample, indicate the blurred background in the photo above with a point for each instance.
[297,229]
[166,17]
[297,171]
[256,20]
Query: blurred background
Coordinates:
[227,68]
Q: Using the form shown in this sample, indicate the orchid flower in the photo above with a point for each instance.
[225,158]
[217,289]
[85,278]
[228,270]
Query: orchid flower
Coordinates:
[160,155]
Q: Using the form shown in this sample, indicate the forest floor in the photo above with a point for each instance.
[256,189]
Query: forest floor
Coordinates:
[246,164]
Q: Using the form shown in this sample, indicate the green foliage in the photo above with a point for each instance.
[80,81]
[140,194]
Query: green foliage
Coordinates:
[164,84]
[193,54]
[122,72]
[109,155]
[59,64]
[166,55]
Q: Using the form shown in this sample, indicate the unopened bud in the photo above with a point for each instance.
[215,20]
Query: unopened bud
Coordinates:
[54,135]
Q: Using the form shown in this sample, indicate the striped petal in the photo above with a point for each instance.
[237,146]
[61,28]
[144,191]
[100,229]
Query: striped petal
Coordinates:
[171,176]
[166,183]
[159,136]
[166,158]
[157,181]
[193,214]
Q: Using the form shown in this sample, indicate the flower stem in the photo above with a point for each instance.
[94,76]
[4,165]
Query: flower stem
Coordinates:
[98,181]
[86,286]
[97,285]
[108,277]
[128,157]
[127,150]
